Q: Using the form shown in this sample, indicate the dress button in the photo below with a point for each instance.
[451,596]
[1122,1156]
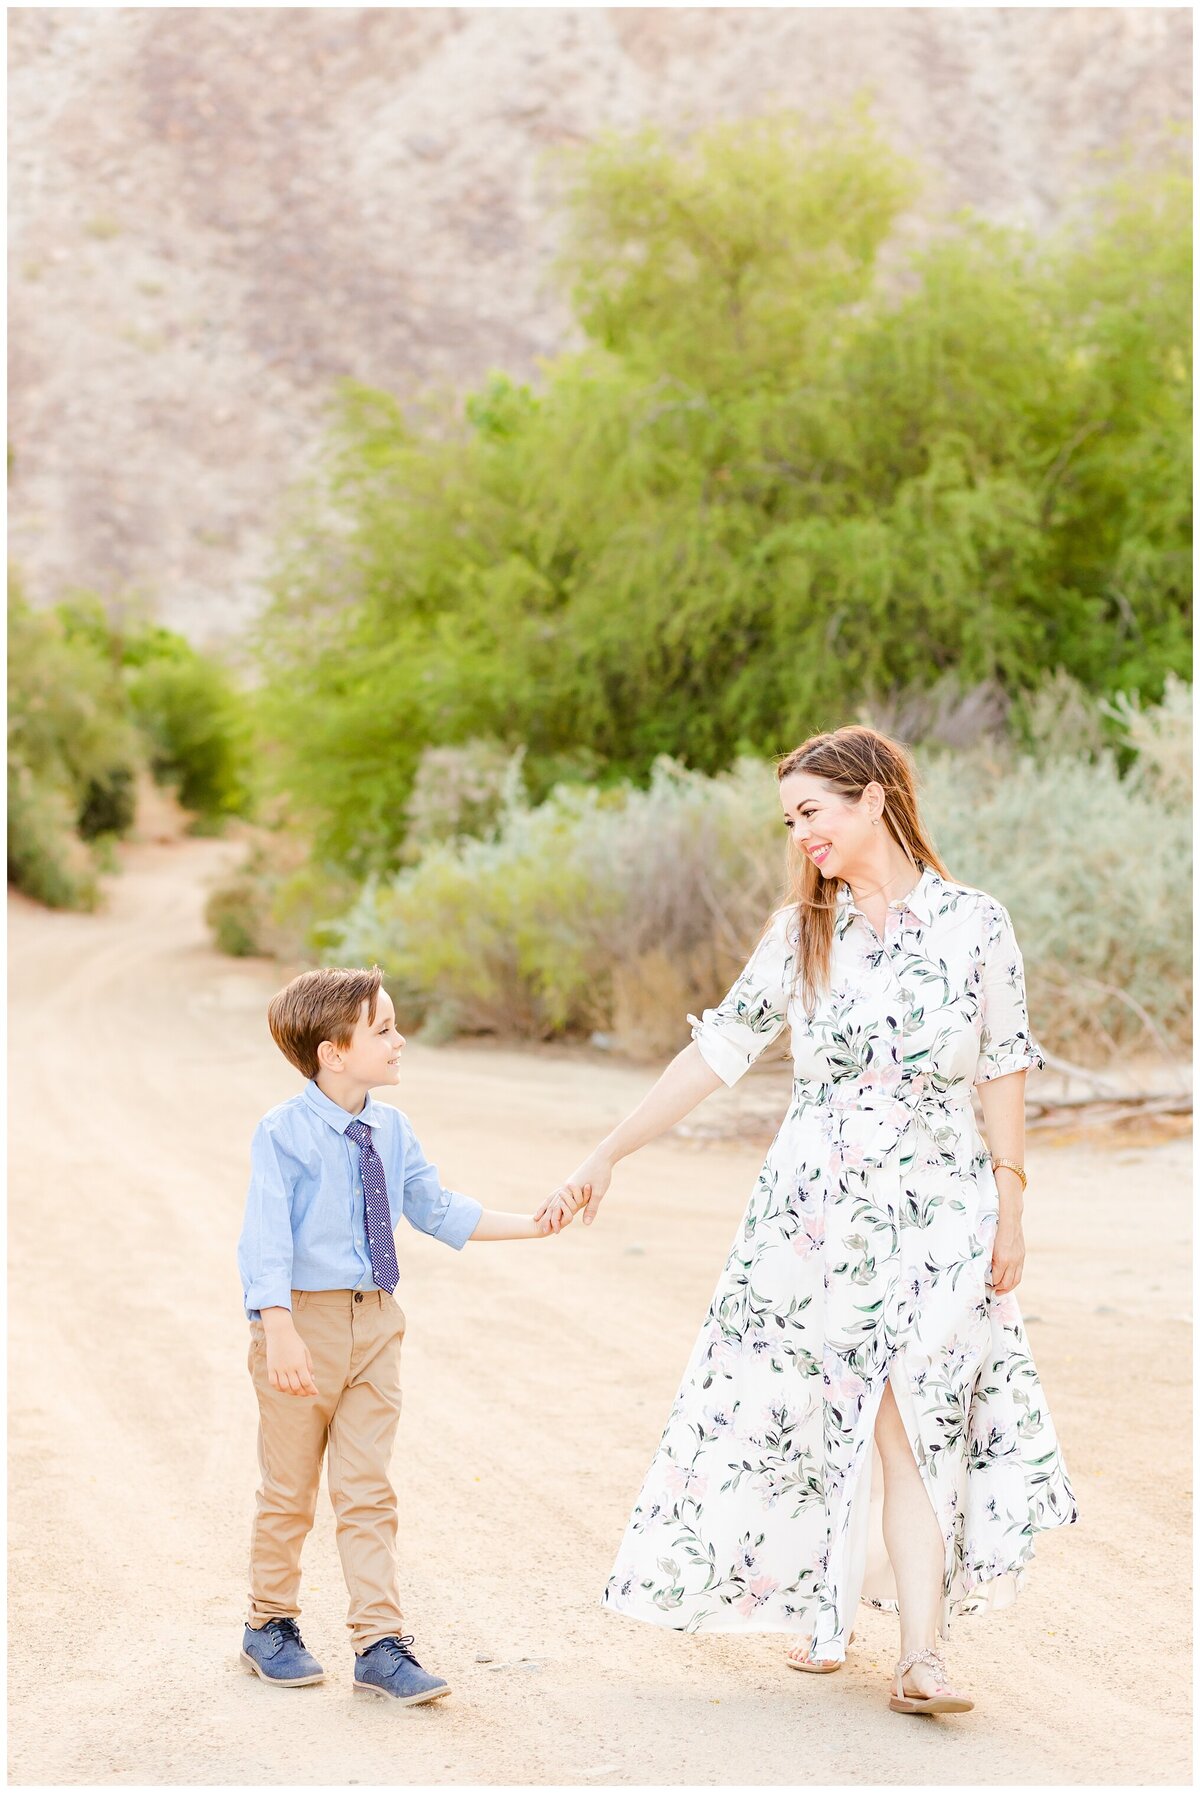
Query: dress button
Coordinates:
[358,1294]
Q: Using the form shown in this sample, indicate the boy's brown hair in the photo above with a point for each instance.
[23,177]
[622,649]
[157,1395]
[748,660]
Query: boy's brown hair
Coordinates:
[321,1005]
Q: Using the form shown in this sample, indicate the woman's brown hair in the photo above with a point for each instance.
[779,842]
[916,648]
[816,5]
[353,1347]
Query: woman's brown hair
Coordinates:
[848,760]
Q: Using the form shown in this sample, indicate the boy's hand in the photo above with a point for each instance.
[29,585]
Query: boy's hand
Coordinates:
[289,1360]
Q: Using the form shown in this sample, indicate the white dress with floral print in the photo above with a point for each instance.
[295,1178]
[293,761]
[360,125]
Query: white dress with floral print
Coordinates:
[864,1255]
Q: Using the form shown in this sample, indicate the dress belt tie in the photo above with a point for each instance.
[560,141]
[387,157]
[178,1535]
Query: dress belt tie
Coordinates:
[911,1101]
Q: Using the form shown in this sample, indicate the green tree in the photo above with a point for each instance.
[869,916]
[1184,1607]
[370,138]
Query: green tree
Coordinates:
[773,484]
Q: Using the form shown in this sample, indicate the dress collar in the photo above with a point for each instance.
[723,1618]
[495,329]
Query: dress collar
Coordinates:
[336,1116]
[920,898]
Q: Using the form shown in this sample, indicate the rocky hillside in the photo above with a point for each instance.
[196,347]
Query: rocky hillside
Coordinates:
[214,214]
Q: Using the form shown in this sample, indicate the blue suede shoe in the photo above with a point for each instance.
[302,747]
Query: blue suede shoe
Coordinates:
[389,1667]
[277,1654]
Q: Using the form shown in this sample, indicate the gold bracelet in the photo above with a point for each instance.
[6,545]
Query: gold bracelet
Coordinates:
[1008,1164]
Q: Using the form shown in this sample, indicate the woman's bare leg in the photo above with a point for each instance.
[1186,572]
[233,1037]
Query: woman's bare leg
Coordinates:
[914,1543]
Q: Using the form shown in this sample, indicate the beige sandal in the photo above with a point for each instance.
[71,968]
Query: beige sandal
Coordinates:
[810,1667]
[934,1702]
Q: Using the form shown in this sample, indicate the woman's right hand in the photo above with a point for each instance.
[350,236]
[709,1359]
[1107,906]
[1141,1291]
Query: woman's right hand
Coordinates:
[585,1186]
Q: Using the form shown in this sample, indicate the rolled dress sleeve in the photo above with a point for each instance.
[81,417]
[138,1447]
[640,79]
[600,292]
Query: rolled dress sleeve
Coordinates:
[442,1213]
[754,1012]
[1005,1040]
[265,1245]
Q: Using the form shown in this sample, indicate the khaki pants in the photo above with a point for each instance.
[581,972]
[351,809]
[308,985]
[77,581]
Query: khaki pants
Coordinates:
[355,1340]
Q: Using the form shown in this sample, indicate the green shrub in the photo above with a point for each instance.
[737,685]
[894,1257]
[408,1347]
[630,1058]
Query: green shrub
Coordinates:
[236,915]
[278,903]
[498,932]
[89,701]
[72,755]
[192,718]
[190,714]
[189,711]
[109,804]
[46,858]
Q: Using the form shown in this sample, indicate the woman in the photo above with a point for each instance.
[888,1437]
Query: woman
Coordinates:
[864,1327]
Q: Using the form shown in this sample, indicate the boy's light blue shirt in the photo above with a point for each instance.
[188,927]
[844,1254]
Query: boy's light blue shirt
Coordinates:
[305,1224]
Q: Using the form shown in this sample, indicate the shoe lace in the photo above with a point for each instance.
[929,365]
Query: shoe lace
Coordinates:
[285,1628]
[398,1647]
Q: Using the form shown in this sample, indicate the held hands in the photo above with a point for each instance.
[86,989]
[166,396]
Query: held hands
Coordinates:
[559,1210]
[581,1192]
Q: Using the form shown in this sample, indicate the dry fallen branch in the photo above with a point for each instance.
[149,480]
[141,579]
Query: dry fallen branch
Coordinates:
[1154,1031]
[1169,1102]
[1093,1110]
[1178,1101]
[1070,1073]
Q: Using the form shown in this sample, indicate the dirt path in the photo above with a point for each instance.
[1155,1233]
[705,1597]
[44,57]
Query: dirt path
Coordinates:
[538,1380]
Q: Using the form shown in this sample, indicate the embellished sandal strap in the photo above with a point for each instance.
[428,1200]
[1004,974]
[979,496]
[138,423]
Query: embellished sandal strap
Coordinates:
[928,1656]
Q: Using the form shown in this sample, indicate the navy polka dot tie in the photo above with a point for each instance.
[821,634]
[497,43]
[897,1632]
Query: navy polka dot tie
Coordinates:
[381,1243]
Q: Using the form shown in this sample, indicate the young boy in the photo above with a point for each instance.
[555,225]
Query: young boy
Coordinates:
[332,1171]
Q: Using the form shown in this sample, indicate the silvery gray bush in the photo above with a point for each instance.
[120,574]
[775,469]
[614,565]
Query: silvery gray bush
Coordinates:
[528,932]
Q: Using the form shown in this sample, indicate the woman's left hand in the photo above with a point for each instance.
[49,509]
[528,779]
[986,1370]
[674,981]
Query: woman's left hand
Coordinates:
[1008,1252]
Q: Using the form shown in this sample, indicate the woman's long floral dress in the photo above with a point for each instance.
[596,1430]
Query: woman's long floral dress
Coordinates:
[864,1255]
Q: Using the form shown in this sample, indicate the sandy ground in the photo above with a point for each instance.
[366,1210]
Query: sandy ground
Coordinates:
[538,1377]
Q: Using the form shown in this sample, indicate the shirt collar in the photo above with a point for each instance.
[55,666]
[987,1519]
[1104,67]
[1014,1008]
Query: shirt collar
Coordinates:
[332,1112]
[920,898]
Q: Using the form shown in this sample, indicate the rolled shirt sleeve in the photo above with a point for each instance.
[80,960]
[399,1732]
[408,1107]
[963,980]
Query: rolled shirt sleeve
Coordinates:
[442,1213]
[754,1012]
[265,1245]
[1006,1042]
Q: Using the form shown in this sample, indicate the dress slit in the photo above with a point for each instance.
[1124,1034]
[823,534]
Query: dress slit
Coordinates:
[862,1568]
[906,1408]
